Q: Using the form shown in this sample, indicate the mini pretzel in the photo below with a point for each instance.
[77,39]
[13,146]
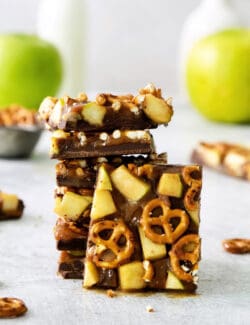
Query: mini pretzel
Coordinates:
[122,252]
[11,307]
[237,245]
[189,179]
[186,249]
[148,222]
[191,198]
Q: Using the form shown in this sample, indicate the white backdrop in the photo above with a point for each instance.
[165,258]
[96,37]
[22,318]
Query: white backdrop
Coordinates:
[129,43]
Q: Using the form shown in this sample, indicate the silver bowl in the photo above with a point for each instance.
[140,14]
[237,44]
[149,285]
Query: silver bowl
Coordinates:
[18,141]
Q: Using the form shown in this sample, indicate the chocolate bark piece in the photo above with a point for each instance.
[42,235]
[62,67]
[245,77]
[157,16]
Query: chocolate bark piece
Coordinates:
[144,227]
[68,145]
[81,173]
[11,207]
[108,112]
[228,158]
[70,266]
[70,236]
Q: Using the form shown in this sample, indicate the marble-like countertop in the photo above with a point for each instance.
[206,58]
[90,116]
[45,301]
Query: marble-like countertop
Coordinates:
[29,258]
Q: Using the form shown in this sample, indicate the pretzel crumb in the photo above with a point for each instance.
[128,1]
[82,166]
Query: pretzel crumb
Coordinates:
[111,293]
[150,309]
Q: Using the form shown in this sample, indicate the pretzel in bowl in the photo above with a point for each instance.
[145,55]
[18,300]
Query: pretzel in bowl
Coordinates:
[150,222]
[115,248]
[186,249]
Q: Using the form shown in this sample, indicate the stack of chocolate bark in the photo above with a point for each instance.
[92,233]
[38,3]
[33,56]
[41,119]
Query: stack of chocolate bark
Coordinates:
[126,219]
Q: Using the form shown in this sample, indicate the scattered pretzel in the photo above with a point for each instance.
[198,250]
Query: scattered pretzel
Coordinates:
[237,245]
[187,248]
[11,307]
[121,252]
[148,222]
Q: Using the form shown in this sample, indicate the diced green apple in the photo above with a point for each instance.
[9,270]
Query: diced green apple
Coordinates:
[157,109]
[151,250]
[91,276]
[129,185]
[103,204]
[93,113]
[173,282]
[103,180]
[9,202]
[131,276]
[170,184]
[72,205]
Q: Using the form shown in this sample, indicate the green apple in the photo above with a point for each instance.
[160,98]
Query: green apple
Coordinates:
[31,69]
[218,76]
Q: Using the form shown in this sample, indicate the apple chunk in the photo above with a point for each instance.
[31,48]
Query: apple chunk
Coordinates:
[103,180]
[170,184]
[173,282]
[195,216]
[151,250]
[72,205]
[103,204]
[93,113]
[131,276]
[9,202]
[157,109]
[91,276]
[129,185]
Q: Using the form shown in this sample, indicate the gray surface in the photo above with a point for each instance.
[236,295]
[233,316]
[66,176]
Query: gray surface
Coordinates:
[28,255]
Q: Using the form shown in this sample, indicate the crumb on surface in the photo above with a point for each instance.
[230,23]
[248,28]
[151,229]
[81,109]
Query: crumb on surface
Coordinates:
[150,309]
[111,293]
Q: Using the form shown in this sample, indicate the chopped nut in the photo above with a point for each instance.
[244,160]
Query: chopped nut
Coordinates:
[149,271]
[135,110]
[82,137]
[150,88]
[116,134]
[82,97]
[116,105]
[111,293]
[103,136]
[139,134]
[139,99]
[150,309]
[101,99]
[170,101]
[79,171]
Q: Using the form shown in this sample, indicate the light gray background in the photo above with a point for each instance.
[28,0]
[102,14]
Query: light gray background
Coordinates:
[129,42]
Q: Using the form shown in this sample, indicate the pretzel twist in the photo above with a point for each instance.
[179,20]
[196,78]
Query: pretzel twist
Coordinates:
[186,248]
[192,197]
[169,235]
[191,175]
[121,252]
